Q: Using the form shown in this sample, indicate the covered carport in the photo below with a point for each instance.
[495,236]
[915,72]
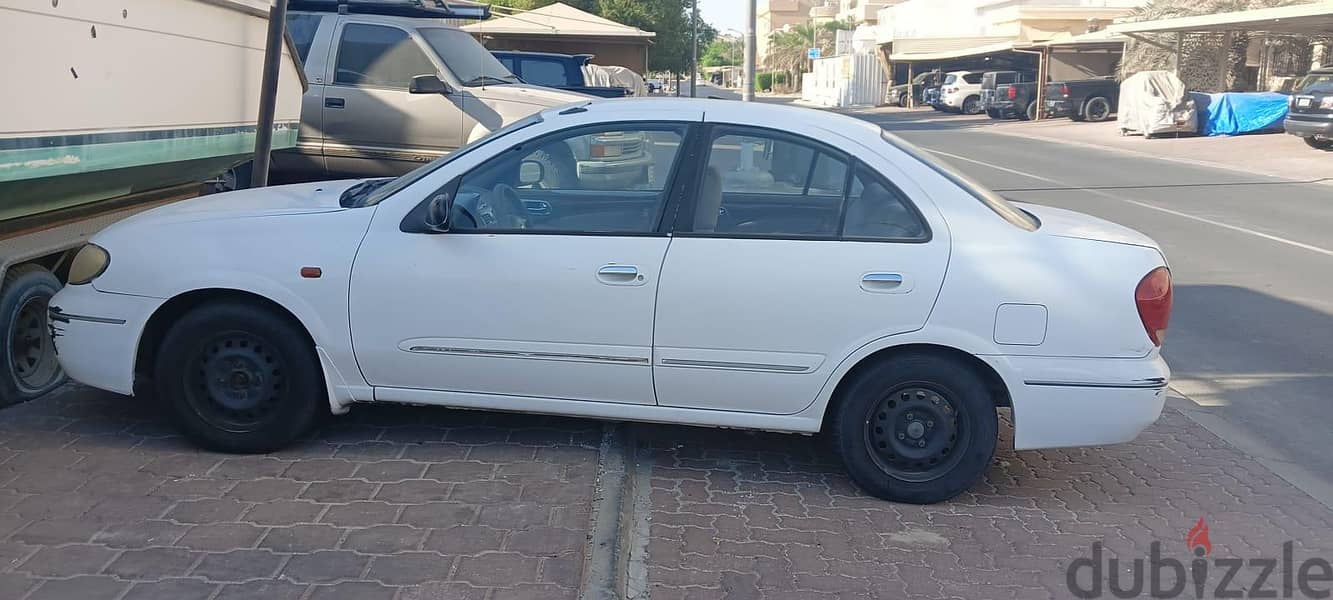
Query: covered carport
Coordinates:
[922,55]
[1083,56]
[1312,20]
[564,29]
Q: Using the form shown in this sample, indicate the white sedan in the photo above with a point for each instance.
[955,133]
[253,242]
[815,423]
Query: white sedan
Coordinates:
[773,268]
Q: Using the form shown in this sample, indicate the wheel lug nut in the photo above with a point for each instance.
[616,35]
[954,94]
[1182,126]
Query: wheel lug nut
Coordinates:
[911,417]
[921,443]
[930,423]
[901,436]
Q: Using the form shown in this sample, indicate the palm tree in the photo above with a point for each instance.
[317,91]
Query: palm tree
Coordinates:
[788,47]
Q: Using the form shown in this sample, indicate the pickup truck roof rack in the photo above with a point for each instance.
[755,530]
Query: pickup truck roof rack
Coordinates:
[427,9]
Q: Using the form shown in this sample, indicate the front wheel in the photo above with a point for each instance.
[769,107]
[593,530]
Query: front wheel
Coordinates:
[919,429]
[239,378]
[30,368]
[1319,143]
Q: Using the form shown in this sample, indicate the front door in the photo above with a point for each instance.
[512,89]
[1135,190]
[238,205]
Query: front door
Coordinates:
[794,255]
[372,125]
[545,284]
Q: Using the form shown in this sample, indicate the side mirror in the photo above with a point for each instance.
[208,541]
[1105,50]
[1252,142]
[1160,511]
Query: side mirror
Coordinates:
[428,84]
[531,172]
[437,213]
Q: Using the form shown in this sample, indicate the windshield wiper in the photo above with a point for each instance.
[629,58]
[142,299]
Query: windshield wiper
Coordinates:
[485,79]
[352,197]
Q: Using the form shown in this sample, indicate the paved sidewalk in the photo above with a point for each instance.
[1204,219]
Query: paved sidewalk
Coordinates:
[738,515]
[98,499]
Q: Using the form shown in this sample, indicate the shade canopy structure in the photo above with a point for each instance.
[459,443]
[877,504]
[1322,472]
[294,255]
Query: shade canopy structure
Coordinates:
[926,53]
[561,28]
[1301,19]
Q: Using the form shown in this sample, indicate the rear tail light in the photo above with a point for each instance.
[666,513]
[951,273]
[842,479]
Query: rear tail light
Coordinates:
[1013,93]
[1153,297]
[1064,90]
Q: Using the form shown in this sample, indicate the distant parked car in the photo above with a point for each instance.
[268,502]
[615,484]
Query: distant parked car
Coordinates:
[1092,100]
[899,94]
[559,71]
[1007,94]
[1311,114]
[961,92]
[655,86]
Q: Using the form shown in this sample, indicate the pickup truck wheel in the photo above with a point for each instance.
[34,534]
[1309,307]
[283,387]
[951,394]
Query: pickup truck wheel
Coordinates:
[1030,114]
[992,113]
[971,105]
[918,428]
[1319,143]
[902,101]
[239,378]
[30,368]
[1097,109]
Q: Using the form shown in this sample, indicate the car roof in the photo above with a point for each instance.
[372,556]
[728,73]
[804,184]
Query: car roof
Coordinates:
[404,22]
[714,110]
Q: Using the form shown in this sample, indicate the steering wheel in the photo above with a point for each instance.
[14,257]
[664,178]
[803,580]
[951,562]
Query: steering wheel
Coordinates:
[506,208]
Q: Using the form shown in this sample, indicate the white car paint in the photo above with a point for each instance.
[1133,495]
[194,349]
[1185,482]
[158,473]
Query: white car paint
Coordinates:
[962,90]
[748,333]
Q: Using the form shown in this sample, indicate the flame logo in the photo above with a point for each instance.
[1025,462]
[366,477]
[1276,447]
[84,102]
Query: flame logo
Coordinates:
[1197,539]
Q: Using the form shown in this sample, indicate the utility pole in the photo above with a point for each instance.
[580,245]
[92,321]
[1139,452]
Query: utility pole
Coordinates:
[747,89]
[694,48]
[268,93]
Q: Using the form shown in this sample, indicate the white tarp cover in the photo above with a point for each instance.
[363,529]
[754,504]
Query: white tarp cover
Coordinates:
[614,76]
[1155,102]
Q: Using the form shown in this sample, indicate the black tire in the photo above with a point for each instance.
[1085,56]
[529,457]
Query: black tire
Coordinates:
[1030,113]
[971,105]
[238,378]
[29,368]
[235,178]
[902,101]
[1097,109]
[994,114]
[926,399]
[1318,144]
[560,169]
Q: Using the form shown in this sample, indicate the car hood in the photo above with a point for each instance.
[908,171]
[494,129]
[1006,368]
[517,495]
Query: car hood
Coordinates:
[525,94]
[1067,223]
[300,198]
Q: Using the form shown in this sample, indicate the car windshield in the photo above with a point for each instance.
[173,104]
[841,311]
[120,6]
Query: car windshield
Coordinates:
[1317,84]
[390,187]
[1017,216]
[467,59]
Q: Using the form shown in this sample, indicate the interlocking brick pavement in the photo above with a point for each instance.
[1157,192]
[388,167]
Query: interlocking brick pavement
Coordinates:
[752,515]
[100,499]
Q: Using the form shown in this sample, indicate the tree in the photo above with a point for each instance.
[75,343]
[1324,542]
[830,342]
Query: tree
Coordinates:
[722,52]
[788,48]
[666,18]
[588,5]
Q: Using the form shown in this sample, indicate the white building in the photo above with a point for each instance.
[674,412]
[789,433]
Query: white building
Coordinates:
[1016,20]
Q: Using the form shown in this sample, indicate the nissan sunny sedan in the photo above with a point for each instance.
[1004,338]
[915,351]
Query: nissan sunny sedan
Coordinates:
[773,268]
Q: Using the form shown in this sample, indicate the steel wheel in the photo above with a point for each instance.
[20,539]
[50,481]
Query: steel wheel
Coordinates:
[31,354]
[236,382]
[914,432]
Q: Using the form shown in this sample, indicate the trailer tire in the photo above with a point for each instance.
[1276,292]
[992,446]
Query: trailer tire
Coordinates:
[29,368]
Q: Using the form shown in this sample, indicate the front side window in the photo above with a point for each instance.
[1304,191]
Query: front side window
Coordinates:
[469,61]
[758,183]
[609,179]
[378,56]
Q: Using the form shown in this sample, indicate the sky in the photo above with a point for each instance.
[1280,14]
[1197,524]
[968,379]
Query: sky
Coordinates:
[723,14]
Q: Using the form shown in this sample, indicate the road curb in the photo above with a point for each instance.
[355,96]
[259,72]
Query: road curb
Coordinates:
[602,562]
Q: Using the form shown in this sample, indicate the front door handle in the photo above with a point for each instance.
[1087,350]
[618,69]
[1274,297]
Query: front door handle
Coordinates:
[884,283]
[334,103]
[614,274]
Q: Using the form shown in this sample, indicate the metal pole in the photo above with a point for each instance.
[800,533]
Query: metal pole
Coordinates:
[911,91]
[268,94]
[694,48]
[747,91]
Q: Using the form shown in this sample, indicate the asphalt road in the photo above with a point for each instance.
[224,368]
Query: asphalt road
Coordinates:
[1251,337]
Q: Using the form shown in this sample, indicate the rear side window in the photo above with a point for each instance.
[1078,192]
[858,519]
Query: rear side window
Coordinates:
[378,56]
[878,210]
[549,73]
[303,28]
[973,78]
[1004,78]
[950,78]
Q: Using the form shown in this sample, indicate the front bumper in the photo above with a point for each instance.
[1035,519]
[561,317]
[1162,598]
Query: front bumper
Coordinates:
[1307,127]
[609,174]
[1062,402]
[96,335]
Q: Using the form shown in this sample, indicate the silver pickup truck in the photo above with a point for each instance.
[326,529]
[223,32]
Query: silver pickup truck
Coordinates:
[390,92]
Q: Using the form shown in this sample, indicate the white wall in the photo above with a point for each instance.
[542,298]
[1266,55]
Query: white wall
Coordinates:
[971,18]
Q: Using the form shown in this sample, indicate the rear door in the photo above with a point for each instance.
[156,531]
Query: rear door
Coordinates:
[793,255]
[373,125]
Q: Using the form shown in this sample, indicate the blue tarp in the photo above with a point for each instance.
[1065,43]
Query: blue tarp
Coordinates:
[1236,113]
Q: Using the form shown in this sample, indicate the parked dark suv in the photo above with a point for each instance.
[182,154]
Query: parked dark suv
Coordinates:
[1311,114]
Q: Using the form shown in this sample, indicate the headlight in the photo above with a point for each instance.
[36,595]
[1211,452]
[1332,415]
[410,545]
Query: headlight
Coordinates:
[91,261]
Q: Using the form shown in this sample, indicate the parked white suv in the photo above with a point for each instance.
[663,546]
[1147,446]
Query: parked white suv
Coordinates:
[961,92]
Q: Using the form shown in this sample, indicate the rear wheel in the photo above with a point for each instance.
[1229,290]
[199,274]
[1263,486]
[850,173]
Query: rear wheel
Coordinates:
[30,368]
[902,101]
[1030,114]
[919,428]
[994,114]
[1319,143]
[971,105]
[1097,109]
[239,378]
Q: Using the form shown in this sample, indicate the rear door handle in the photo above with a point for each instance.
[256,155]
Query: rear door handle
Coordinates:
[614,274]
[884,283]
[334,103]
